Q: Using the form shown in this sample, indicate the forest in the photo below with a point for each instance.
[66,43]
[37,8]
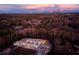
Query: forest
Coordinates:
[60,29]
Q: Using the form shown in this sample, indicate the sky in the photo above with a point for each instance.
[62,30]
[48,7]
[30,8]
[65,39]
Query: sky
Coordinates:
[39,8]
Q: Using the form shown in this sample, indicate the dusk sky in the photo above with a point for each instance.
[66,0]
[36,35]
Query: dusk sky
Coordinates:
[39,8]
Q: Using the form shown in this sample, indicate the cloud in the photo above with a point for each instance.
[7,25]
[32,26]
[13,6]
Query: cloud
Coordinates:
[50,7]
[3,7]
[68,6]
[42,6]
[8,7]
[38,8]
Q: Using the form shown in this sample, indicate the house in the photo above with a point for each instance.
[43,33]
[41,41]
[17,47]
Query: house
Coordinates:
[17,27]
